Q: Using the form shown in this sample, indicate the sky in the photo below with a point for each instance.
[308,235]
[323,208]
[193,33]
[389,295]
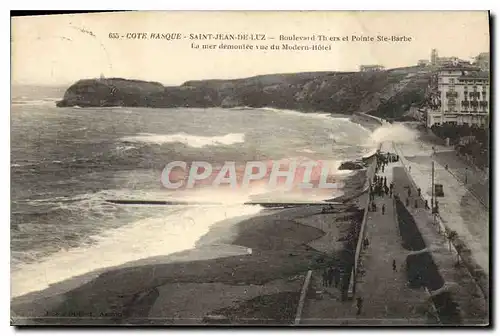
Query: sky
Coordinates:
[61,49]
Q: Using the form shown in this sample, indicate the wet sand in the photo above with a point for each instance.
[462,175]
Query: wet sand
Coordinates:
[249,272]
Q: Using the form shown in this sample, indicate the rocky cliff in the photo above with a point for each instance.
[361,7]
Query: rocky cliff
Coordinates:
[334,92]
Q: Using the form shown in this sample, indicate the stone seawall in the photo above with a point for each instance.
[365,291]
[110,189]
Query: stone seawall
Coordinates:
[369,177]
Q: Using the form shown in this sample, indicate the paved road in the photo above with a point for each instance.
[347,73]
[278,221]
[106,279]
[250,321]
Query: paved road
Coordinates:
[465,289]
[477,180]
[459,209]
[474,179]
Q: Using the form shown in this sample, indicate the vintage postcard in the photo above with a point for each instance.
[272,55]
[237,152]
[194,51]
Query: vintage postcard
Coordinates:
[251,168]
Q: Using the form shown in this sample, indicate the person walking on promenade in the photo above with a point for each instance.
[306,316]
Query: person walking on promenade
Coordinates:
[385,181]
[336,276]
[427,205]
[383,209]
[359,305]
[325,277]
[394,265]
[416,203]
[419,191]
[330,277]
[409,169]
[386,190]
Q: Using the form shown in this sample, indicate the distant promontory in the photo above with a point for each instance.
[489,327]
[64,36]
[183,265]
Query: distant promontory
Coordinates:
[384,93]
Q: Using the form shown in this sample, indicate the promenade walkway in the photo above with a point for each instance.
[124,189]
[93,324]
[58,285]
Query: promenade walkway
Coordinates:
[384,291]
[387,300]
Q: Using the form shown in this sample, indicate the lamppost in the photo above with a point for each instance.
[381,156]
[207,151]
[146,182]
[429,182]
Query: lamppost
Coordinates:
[434,202]
[466,170]
[432,187]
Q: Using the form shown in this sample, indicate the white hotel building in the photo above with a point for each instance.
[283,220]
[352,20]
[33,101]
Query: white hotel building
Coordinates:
[459,95]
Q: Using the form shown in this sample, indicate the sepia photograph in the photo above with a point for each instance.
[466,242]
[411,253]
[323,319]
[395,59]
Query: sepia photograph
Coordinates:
[250,168]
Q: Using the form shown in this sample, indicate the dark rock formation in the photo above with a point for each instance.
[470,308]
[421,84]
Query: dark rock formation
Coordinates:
[334,92]
[351,165]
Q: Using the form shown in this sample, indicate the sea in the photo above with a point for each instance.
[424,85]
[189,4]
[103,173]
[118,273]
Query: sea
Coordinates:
[66,162]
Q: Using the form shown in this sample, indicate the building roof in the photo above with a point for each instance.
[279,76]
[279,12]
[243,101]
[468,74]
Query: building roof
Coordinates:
[476,74]
[448,67]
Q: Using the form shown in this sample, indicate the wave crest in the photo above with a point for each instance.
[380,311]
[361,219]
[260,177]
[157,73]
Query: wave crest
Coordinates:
[196,141]
[394,132]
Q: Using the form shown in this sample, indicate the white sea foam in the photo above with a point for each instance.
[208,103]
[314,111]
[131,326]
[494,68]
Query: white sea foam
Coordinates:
[394,132]
[120,149]
[175,231]
[36,102]
[298,113]
[306,150]
[196,141]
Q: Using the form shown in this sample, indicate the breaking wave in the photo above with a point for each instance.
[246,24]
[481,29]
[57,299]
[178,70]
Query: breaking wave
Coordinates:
[171,230]
[36,102]
[196,141]
[394,132]
[297,113]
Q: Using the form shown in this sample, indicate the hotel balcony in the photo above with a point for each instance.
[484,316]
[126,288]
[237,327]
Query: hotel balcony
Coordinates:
[474,94]
[451,94]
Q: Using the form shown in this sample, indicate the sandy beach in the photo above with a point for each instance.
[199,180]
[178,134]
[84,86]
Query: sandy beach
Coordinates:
[247,272]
